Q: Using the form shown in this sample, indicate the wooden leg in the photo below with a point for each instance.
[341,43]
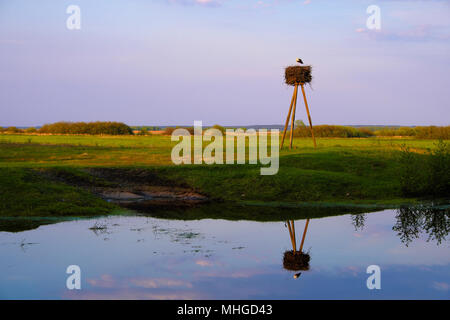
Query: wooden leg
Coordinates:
[293,117]
[309,116]
[294,96]
[291,236]
[304,234]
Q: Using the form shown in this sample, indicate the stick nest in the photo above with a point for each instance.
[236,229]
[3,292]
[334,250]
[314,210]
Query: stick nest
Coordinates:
[297,74]
[296,261]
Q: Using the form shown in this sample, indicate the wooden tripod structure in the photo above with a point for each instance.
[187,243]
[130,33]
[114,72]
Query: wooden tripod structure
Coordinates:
[294,104]
[291,228]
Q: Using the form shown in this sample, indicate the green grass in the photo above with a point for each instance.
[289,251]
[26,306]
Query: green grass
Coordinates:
[25,193]
[340,170]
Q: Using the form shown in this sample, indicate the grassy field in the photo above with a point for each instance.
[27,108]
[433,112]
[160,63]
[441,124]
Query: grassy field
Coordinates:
[340,170]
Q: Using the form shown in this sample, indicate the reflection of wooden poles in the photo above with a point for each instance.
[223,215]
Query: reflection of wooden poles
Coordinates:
[304,234]
[294,104]
[292,235]
[309,116]
[291,228]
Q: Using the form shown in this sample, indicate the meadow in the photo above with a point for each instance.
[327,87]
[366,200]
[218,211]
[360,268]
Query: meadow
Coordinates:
[347,171]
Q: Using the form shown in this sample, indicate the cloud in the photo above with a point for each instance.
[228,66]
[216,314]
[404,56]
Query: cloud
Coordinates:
[416,33]
[203,3]
[414,0]
[126,294]
[160,282]
[107,281]
[204,263]
[244,273]
[353,270]
[441,286]
[107,287]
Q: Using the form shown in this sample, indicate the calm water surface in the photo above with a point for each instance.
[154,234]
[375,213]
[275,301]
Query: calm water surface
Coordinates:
[135,257]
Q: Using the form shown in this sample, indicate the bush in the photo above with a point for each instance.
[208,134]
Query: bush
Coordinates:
[219,127]
[433,132]
[413,175]
[144,132]
[30,130]
[439,168]
[13,130]
[365,132]
[169,130]
[332,131]
[426,175]
[391,132]
[112,128]
[428,132]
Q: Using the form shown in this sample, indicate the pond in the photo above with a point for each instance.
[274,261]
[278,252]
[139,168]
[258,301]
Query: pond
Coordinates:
[145,257]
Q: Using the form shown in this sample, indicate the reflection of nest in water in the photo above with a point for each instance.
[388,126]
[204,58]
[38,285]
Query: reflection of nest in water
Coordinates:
[296,261]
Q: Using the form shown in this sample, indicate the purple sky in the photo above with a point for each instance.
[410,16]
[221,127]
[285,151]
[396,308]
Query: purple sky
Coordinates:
[167,62]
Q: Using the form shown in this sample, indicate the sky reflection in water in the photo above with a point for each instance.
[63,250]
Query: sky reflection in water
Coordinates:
[149,258]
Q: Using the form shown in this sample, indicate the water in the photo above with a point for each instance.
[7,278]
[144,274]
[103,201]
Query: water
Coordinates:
[137,257]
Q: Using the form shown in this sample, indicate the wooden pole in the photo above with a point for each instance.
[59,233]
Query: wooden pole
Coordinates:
[294,96]
[304,234]
[293,116]
[291,236]
[309,116]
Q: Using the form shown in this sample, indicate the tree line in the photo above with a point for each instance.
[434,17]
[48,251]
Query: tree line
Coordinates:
[300,130]
[423,132]
[99,127]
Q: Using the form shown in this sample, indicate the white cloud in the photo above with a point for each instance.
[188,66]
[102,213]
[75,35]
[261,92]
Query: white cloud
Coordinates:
[416,33]
[441,286]
[205,3]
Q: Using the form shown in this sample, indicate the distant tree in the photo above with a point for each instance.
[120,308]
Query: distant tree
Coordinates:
[332,131]
[299,123]
[219,127]
[428,132]
[30,130]
[111,128]
[168,131]
[144,132]
[13,130]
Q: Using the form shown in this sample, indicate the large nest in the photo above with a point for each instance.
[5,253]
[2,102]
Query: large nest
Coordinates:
[296,261]
[297,74]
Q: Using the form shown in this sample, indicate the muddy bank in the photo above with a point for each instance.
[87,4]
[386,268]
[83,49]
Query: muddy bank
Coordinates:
[130,188]
[143,197]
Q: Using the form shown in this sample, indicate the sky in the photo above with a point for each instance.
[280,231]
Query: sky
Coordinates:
[170,62]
